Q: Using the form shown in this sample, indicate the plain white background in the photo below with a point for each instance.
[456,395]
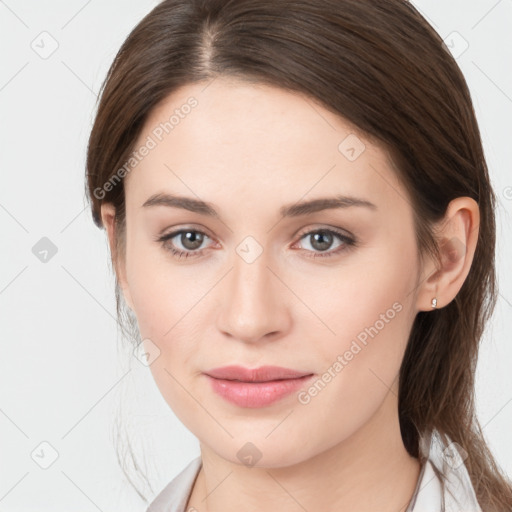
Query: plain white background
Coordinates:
[63,370]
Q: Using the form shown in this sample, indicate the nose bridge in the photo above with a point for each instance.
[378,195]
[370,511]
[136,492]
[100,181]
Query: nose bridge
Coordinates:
[251,279]
[252,306]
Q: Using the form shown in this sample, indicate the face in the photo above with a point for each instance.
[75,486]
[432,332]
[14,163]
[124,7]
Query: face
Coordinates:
[255,277]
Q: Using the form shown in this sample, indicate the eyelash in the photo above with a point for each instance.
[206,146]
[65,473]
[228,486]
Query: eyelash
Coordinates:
[348,243]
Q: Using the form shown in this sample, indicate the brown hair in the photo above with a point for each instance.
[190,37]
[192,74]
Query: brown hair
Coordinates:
[383,68]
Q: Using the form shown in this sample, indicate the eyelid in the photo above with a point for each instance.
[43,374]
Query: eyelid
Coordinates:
[172,232]
[299,233]
[166,236]
[324,227]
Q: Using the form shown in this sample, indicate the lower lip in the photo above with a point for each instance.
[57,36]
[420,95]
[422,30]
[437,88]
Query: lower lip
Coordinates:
[256,394]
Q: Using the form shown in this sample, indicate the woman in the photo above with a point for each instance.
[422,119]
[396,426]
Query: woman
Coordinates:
[301,221]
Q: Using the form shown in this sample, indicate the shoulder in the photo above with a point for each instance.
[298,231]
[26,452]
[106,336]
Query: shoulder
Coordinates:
[174,496]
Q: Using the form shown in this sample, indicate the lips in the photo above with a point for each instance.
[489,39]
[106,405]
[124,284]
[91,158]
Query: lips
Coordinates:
[258,387]
[262,374]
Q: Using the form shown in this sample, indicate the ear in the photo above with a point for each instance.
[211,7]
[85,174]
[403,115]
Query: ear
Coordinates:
[457,235]
[118,260]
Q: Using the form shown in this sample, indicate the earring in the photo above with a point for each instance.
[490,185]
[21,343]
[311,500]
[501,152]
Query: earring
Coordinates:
[434,302]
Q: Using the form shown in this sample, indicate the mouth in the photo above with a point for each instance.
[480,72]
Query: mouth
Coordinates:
[261,374]
[259,387]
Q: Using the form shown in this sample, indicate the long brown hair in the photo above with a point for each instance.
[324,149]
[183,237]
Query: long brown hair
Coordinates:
[382,67]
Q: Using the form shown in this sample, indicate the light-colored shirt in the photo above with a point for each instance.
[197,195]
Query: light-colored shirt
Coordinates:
[443,484]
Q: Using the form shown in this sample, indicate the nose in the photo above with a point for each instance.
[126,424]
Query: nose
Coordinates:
[254,302]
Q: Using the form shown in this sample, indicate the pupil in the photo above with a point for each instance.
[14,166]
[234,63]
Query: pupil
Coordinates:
[191,240]
[319,240]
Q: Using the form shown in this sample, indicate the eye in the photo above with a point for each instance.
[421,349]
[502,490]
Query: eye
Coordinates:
[322,239]
[189,239]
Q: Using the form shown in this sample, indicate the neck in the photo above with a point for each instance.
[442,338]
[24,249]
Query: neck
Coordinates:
[371,470]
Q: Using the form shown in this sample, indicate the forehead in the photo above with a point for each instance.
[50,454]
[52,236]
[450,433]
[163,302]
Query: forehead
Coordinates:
[228,138]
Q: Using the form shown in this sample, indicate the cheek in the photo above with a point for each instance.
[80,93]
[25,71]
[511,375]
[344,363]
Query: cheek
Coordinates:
[369,312]
[369,299]
[167,301]
[162,292]
[164,307]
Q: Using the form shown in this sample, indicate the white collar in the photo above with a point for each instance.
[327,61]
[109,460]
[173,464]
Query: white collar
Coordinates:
[444,484]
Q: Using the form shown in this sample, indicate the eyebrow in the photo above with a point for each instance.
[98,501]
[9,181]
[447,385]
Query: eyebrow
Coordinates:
[290,210]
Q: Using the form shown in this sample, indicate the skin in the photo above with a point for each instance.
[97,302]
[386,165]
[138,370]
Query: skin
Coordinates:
[342,450]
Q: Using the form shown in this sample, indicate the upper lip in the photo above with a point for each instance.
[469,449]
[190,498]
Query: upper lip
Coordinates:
[261,374]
